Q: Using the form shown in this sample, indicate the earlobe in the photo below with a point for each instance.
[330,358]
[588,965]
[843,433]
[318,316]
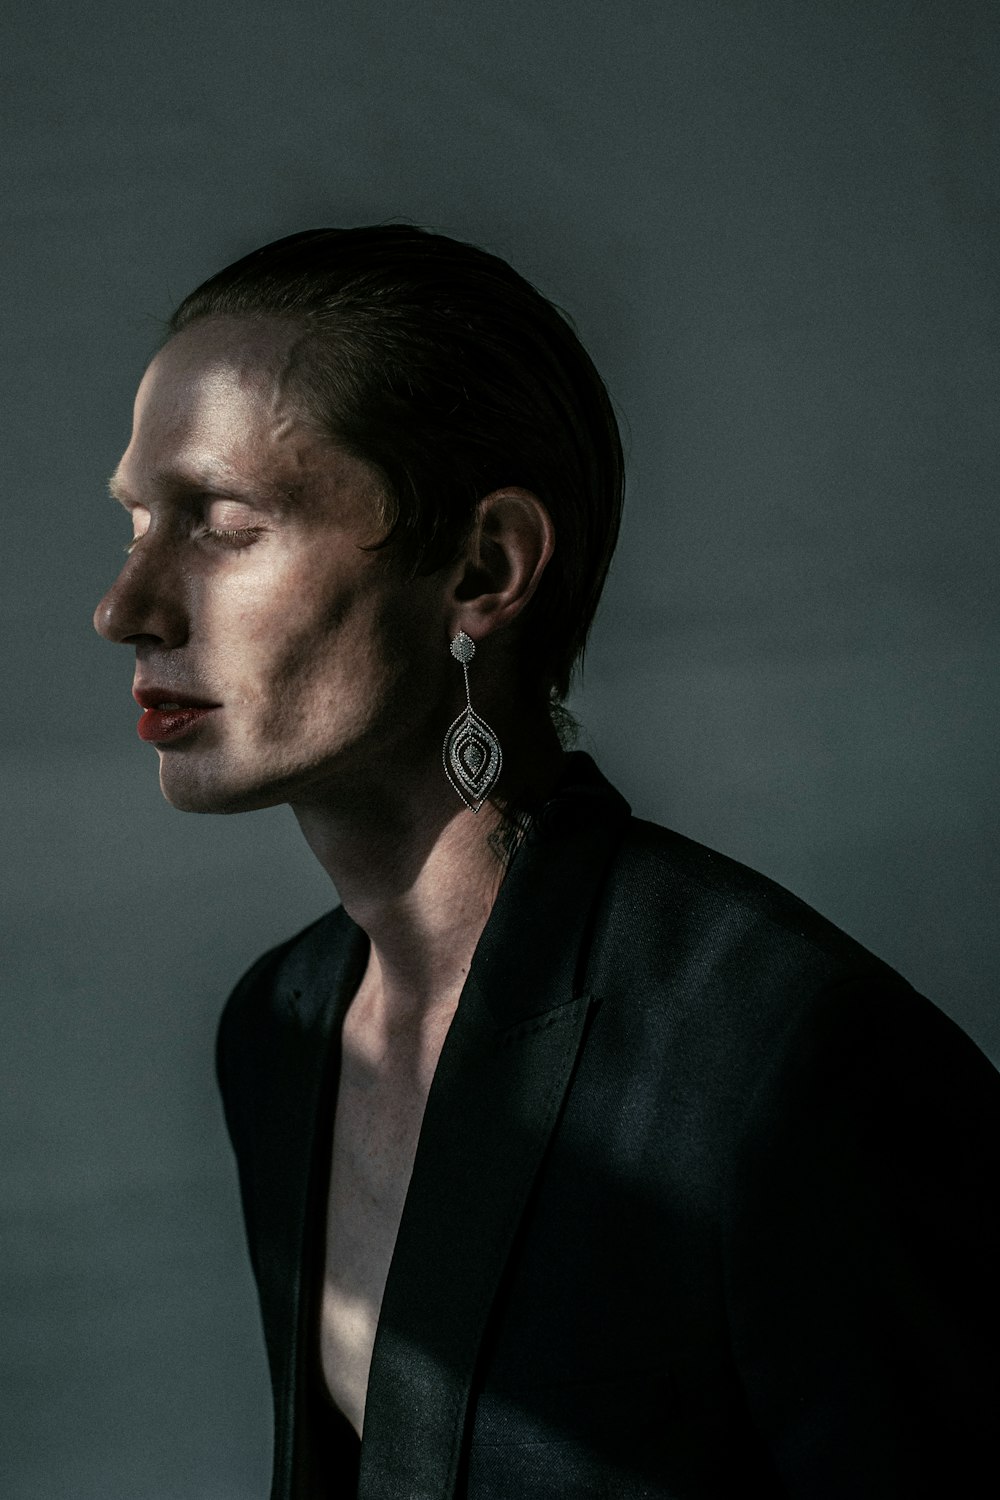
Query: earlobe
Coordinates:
[508,550]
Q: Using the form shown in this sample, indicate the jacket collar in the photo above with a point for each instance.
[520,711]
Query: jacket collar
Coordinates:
[529,956]
[496,1095]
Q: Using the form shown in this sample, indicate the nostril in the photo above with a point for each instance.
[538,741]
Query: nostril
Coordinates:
[113,620]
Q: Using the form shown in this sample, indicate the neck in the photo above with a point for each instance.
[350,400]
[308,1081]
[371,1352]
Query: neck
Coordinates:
[419,872]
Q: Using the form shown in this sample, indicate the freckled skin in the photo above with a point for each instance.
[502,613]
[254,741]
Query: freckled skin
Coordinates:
[327,663]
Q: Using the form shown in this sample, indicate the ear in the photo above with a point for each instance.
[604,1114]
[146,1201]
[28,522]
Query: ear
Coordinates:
[506,553]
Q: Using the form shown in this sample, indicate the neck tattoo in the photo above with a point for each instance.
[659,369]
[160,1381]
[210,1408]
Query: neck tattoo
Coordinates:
[509,834]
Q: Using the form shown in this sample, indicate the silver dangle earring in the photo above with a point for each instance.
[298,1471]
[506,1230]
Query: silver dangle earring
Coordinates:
[472,756]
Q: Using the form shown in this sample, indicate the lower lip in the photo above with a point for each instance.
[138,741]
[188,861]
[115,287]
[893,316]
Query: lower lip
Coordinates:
[161,726]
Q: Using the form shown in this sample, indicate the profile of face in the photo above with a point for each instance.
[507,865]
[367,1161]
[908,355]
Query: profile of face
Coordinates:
[293,663]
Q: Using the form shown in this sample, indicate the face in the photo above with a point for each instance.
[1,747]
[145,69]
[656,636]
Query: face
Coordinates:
[294,664]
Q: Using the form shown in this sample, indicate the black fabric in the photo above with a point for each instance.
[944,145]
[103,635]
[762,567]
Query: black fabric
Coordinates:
[705,1201]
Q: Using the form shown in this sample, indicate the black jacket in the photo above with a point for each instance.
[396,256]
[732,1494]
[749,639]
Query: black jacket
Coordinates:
[705,1202]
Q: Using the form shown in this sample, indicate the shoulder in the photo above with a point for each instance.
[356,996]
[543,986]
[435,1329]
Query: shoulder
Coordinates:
[673,904]
[710,893]
[742,990]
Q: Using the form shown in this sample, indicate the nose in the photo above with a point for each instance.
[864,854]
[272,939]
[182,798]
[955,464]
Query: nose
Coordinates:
[145,602]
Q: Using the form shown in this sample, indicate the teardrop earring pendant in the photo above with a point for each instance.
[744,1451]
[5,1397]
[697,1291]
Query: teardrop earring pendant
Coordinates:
[472,755]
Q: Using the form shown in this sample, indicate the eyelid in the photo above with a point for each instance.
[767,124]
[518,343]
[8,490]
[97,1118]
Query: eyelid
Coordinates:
[139,514]
[241,536]
[225,513]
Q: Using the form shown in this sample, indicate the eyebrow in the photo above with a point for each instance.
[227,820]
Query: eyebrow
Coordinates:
[207,479]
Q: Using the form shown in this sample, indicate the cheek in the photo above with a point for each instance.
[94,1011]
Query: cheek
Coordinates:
[267,624]
[304,645]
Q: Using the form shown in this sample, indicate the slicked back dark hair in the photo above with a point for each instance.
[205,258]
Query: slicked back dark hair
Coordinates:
[437,364]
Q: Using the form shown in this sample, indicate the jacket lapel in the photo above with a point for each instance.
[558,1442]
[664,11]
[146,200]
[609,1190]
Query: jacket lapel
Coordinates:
[303,1059]
[497,1092]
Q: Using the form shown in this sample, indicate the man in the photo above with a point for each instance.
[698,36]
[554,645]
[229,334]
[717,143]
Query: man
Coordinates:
[575,1159]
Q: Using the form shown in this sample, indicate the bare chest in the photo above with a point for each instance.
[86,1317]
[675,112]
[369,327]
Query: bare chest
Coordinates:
[376,1127]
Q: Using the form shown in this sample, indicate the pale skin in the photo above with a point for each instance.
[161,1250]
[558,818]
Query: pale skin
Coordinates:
[248,588]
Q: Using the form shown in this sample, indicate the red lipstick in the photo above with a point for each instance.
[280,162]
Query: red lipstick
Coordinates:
[168,716]
[161,725]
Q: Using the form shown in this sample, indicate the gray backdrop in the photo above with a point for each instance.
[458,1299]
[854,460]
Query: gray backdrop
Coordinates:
[775,226]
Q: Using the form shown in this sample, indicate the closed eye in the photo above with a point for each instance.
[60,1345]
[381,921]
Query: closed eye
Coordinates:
[236,536]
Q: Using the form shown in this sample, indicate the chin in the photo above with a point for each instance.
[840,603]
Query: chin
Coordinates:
[187,791]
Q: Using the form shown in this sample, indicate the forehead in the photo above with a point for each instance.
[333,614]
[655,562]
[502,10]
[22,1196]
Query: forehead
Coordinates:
[218,399]
[221,382]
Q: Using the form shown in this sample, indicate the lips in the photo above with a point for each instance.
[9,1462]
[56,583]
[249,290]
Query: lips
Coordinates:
[168,697]
[169,716]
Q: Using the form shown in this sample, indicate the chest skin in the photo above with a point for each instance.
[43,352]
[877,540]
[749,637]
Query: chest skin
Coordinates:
[382,1092]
